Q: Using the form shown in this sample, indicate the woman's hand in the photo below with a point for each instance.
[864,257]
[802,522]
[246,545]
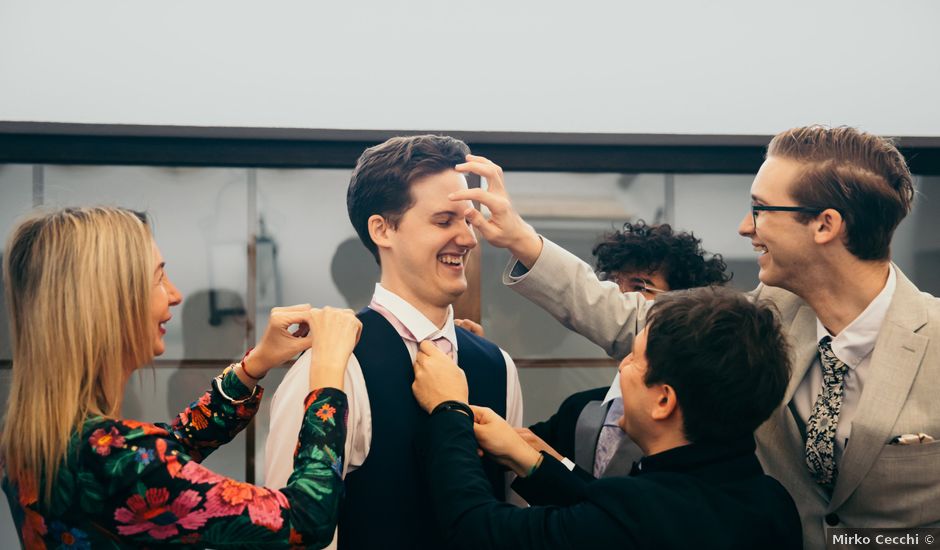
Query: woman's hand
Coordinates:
[335,334]
[437,378]
[500,440]
[279,344]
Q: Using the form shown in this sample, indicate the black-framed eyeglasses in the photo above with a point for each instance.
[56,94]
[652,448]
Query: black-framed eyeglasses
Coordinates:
[755,208]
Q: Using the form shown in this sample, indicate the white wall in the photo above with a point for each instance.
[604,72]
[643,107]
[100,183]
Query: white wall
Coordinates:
[683,66]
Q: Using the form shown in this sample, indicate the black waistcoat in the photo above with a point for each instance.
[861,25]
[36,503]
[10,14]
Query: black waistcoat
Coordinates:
[386,504]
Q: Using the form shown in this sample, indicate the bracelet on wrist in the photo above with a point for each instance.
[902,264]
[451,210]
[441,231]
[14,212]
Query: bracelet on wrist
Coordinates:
[535,466]
[245,369]
[454,406]
[218,385]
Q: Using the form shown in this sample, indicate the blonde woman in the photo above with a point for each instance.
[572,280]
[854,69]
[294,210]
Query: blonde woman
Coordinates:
[89,298]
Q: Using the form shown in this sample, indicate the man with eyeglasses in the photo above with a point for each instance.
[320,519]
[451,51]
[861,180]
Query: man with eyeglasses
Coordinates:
[853,440]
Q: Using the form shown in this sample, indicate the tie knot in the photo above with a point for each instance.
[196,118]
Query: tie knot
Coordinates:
[444,345]
[832,365]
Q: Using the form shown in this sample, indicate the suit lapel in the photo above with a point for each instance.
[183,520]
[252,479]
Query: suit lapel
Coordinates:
[895,361]
[586,432]
[803,348]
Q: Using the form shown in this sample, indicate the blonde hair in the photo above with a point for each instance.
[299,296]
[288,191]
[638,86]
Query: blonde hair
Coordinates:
[78,284]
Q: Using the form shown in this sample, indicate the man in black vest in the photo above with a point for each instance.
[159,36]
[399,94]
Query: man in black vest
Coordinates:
[707,370]
[398,204]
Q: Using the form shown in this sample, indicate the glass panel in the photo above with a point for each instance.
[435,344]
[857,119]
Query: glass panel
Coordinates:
[200,225]
[712,206]
[16,198]
[544,388]
[308,251]
[916,245]
[574,211]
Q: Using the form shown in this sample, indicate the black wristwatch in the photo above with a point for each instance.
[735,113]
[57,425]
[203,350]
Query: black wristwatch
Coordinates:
[454,406]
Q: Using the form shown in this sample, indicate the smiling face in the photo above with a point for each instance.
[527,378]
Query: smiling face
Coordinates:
[424,258]
[163,295]
[785,245]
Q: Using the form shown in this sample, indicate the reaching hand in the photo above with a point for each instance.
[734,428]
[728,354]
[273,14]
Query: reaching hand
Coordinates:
[500,440]
[335,334]
[537,442]
[437,378]
[278,344]
[474,328]
[505,228]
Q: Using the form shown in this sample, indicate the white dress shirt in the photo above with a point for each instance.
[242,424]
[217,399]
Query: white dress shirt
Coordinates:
[287,406]
[853,346]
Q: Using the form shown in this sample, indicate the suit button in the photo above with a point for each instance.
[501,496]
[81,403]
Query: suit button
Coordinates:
[832,519]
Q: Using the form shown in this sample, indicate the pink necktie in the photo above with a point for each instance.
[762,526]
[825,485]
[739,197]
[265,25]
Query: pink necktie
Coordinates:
[441,342]
[444,345]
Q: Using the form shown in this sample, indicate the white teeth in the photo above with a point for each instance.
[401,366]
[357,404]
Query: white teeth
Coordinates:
[452,260]
[760,249]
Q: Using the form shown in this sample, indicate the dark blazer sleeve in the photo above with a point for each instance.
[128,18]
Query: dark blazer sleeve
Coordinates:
[553,484]
[468,515]
[558,431]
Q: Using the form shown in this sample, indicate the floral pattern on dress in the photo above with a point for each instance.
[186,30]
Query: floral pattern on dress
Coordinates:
[131,484]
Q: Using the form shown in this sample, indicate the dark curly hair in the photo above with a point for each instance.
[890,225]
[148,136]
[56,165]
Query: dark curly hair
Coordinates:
[679,256]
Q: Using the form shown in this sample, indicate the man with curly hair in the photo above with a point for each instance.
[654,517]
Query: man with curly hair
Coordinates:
[650,259]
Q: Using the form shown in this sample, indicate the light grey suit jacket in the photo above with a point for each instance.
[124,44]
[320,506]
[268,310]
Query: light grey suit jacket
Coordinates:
[879,484]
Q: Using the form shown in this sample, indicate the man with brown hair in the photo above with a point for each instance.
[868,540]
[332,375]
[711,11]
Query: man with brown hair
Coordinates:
[853,439]
[398,203]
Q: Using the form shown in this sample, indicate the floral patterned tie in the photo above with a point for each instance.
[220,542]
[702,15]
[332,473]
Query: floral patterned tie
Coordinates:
[610,437]
[821,428]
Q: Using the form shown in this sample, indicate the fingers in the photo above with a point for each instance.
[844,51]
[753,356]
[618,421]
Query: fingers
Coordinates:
[285,317]
[481,414]
[298,307]
[484,167]
[478,158]
[476,219]
[476,194]
[471,326]
[428,348]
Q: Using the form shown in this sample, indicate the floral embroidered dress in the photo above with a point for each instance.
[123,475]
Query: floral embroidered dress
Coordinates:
[127,484]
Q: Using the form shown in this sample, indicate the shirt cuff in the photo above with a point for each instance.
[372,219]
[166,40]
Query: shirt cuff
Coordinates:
[568,464]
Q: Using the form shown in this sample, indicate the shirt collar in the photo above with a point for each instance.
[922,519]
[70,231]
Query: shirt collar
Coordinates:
[413,320]
[614,391]
[857,340]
